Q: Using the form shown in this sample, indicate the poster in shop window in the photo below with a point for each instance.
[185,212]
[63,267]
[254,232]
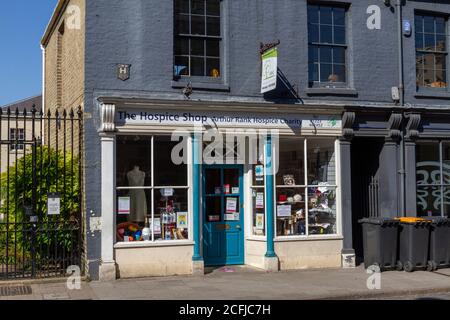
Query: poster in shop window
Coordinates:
[124,205]
[182,220]
[260,200]
[284,211]
[260,221]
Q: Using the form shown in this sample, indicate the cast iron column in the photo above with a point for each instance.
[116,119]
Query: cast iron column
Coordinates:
[196,149]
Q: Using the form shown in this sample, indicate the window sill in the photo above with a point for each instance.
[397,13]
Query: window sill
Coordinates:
[147,244]
[257,238]
[308,238]
[432,93]
[210,86]
[332,91]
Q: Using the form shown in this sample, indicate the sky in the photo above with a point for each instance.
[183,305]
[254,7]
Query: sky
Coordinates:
[22,24]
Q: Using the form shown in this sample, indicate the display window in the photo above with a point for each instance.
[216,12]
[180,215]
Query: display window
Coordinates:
[306,187]
[433,178]
[152,191]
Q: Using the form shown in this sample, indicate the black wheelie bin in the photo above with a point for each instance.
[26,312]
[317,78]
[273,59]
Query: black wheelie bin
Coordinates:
[380,237]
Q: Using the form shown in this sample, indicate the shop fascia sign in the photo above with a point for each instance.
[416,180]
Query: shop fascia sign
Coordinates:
[226,119]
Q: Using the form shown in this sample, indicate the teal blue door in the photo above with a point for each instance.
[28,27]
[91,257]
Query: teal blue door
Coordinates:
[223,215]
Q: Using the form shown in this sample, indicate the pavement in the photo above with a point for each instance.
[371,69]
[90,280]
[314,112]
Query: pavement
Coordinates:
[245,283]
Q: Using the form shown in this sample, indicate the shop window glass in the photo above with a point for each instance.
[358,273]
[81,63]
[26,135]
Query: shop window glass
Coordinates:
[258,190]
[197,38]
[152,192]
[433,178]
[304,209]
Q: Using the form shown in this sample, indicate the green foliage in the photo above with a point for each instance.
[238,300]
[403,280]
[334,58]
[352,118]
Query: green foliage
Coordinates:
[55,172]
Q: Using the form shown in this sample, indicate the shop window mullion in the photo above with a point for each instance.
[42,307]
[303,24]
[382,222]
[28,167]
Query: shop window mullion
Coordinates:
[152,178]
[306,168]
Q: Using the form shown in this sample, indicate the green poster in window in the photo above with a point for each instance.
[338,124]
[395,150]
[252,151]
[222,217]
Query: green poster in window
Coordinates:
[269,70]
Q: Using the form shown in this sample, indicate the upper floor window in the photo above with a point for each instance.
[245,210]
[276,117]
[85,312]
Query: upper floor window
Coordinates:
[431,51]
[197,38]
[326,45]
[17,137]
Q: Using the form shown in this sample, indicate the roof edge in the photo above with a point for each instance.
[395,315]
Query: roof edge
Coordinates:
[59,9]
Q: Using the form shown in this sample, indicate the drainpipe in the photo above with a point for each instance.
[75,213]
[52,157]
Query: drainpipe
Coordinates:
[401,88]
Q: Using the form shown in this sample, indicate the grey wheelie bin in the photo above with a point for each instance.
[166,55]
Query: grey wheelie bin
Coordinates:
[439,243]
[414,241]
[380,241]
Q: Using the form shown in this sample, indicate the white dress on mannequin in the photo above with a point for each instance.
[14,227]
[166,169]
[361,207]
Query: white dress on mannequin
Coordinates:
[138,210]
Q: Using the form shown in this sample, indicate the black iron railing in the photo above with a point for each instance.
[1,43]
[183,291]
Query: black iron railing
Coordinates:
[44,159]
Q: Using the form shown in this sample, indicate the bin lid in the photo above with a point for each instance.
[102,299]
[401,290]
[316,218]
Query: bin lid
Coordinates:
[413,220]
[379,221]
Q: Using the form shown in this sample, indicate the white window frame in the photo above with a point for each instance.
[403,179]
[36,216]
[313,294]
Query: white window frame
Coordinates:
[338,234]
[188,188]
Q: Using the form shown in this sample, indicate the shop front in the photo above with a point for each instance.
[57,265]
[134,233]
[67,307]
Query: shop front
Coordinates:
[186,190]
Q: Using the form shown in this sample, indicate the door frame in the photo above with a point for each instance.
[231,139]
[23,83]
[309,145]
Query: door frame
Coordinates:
[241,168]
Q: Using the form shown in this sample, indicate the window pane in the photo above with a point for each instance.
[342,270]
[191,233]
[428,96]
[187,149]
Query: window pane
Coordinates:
[213,209]
[428,60]
[339,72]
[325,72]
[428,201]
[197,47]
[419,75]
[322,210]
[339,35]
[171,210]
[291,163]
[321,162]
[325,54]
[181,46]
[428,165]
[441,43]
[133,207]
[198,67]
[429,42]
[213,48]
[418,22]
[429,24]
[313,52]
[326,34]
[446,195]
[182,6]
[313,14]
[441,79]
[446,162]
[428,77]
[181,67]
[213,182]
[313,72]
[313,33]
[339,16]
[212,67]
[213,7]
[419,41]
[198,7]
[133,160]
[291,211]
[339,55]
[166,172]
[440,25]
[182,24]
[326,15]
[259,211]
[213,26]
[198,25]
